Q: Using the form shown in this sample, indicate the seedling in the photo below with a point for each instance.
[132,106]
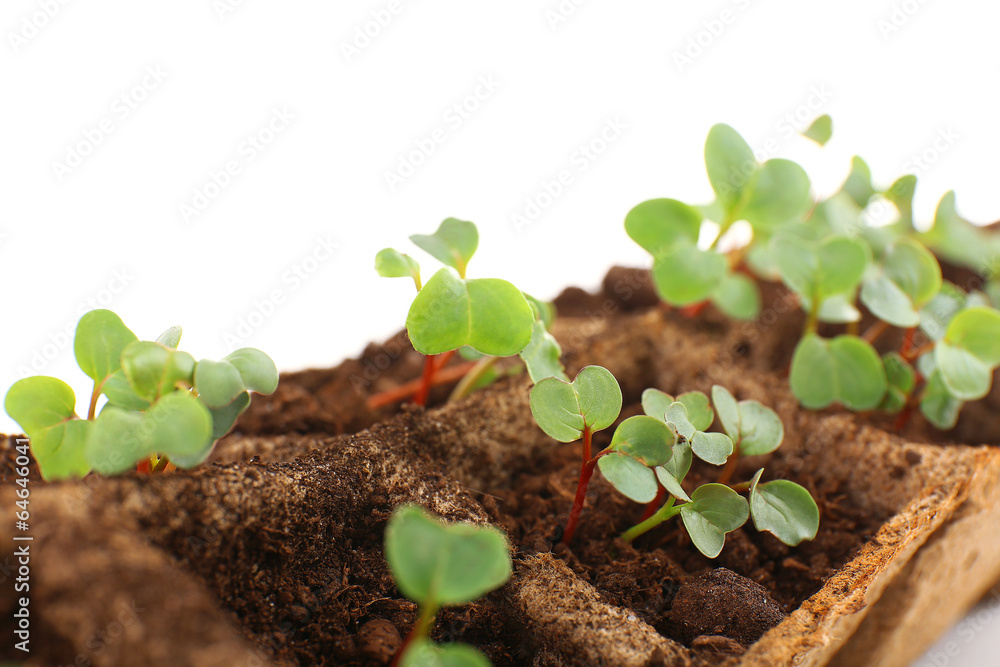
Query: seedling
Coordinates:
[163,408]
[437,564]
[713,510]
[487,315]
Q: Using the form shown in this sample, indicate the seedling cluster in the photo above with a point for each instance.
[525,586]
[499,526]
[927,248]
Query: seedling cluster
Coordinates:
[437,564]
[829,255]
[650,455]
[163,408]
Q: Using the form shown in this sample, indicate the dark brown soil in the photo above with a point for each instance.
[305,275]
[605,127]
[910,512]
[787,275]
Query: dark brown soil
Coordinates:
[287,546]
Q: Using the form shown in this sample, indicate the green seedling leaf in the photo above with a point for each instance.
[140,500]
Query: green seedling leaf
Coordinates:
[100,338]
[45,408]
[844,369]
[658,225]
[728,409]
[784,509]
[938,404]
[489,315]
[390,263]
[819,270]
[453,244]
[699,411]
[673,472]
[180,426]
[820,130]
[737,296]
[171,337]
[224,418]
[888,302]
[729,162]
[778,193]
[958,240]
[900,194]
[677,418]
[965,376]
[714,511]
[685,274]
[120,393]
[939,311]
[976,330]
[644,438]
[257,370]
[910,278]
[656,402]
[444,564]
[153,370]
[217,382]
[544,311]
[761,430]
[838,308]
[117,441]
[629,476]
[712,448]
[425,653]
[902,380]
[541,355]
[564,409]
[859,183]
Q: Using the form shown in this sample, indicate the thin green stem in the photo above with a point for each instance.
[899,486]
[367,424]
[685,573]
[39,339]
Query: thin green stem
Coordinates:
[812,322]
[469,380]
[92,412]
[420,630]
[665,513]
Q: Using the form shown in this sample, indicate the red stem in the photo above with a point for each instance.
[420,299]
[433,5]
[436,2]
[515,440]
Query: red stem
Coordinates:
[694,309]
[441,376]
[661,495]
[907,347]
[586,472]
[430,366]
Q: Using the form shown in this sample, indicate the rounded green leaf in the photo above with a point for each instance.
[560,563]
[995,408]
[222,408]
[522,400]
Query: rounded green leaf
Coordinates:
[171,337]
[562,409]
[153,370]
[545,311]
[629,476]
[100,338]
[217,382]
[453,244]
[837,308]
[728,409]
[224,418]
[713,448]
[859,183]
[842,263]
[61,450]
[699,410]
[490,315]
[729,162]
[888,302]
[118,441]
[120,393]
[390,263]
[940,310]
[714,511]
[778,194]
[938,404]
[797,261]
[737,296]
[599,396]
[670,479]
[900,193]
[845,369]
[678,418]
[965,376]
[977,330]
[820,130]
[784,509]
[686,274]
[425,653]
[646,438]
[656,402]
[256,368]
[444,564]
[914,268]
[656,225]
[761,430]
[180,426]
[541,355]
[40,402]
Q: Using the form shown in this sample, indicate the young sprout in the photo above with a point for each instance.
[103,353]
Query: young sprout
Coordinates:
[571,411]
[163,408]
[716,509]
[450,312]
[437,564]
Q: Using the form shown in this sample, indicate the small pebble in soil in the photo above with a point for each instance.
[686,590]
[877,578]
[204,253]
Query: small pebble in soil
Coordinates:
[298,613]
[721,602]
[378,640]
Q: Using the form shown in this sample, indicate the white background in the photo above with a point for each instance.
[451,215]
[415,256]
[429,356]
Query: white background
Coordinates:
[911,86]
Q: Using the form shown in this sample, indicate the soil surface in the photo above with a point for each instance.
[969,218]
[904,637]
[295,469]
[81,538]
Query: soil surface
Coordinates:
[288,551]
